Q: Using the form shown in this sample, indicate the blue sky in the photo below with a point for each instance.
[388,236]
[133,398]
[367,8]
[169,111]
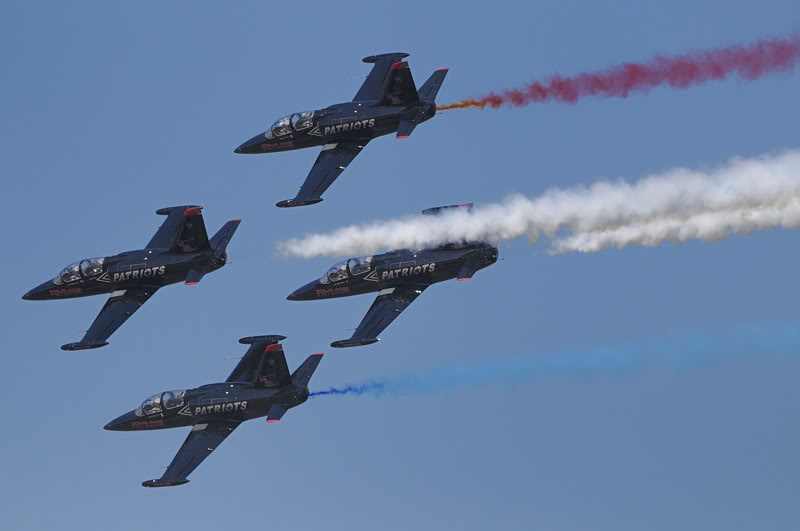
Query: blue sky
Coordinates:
[111,111]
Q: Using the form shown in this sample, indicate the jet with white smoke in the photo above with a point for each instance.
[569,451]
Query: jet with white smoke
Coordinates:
[678,205]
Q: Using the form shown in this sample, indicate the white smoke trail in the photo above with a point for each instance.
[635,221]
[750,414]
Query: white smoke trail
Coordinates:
[678,205]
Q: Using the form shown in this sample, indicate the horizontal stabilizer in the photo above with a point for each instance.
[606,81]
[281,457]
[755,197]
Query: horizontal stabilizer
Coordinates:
[83,346]
[296,203]
[275,413]
[405,129]
[302,375]
[164,482]
[430,89]
[193,277]
[435,211]
[393,56]
[344,343]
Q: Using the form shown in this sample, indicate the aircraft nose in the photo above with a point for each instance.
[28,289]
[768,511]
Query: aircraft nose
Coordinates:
[304,293]
[251,146]
[121,423]
[40,292]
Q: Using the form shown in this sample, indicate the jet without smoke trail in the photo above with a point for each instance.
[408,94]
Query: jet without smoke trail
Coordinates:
[749,62]
[677,205]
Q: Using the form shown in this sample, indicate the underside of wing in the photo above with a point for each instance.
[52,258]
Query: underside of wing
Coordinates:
[387,306]
[119,307]
[202,440]
[330,163]
[183,231]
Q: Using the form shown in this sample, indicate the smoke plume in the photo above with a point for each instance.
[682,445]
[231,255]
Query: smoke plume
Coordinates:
[748,62]
[678,205]
[757,342]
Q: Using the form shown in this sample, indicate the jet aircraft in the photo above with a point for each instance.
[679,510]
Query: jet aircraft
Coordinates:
[260,385]
[398,276]
[387,102]
[180,251]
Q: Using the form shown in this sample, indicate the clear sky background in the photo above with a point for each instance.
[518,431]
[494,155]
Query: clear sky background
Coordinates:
[111,111]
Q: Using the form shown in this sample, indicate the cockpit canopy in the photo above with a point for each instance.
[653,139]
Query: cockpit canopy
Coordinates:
[88,268]
[299,121]
[347,268]
[161,401]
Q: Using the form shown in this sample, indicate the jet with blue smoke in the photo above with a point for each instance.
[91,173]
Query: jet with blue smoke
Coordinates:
[754,342]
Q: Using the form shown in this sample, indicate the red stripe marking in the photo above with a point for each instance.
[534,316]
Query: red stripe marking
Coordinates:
[190,283]
[318,354]
[192,211]
[402,136]
[237,219]
[445,69]
[272,420]
[273,347]
[399,64]
[462,279]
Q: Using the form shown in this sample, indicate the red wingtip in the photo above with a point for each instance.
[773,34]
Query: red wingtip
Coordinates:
[237,219]
[318,354]
[399,64]
[446,68]
[192,211]
[402,136]
[462,279]
[272,420]
[273,347]
[190,283]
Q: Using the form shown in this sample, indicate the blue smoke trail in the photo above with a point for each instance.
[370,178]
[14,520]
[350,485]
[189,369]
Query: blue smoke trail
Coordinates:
[691,350]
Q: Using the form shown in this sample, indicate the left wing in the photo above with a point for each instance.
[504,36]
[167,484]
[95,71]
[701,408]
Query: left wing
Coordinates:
[389,304]
[202,440]
[330,163]
[116,311]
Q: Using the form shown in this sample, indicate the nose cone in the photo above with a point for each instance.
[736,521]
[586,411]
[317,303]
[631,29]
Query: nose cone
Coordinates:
[306,293]
[40,292]
[121,423]
[253,145]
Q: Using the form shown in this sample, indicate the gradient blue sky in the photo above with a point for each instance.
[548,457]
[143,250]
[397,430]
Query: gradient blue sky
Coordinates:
[113,110]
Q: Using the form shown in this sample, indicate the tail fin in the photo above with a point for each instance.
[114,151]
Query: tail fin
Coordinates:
[430,89]
[302,375]
[223,236]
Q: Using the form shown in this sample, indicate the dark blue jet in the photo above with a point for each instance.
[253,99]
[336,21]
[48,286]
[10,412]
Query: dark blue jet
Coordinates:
[387,102]
[179,252]
[259,386]
[398,277]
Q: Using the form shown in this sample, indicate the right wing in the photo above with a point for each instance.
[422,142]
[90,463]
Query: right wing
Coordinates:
[202,440]
[373,87]
[330,163]
[116,311]
[263,365]
[184,230]
[389,304]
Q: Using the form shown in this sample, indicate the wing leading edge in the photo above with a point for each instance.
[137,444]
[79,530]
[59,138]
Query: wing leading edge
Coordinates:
[202,440]
[117,309]
[330,163]
[387,306]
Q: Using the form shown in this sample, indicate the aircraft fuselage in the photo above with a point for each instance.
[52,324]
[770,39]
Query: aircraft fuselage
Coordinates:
[399,268]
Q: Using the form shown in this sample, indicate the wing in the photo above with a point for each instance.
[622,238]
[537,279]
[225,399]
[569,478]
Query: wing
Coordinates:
[202,440]
[184,230]
[330,163]
[373,87]
[263,365]
[384,310]
[116,311]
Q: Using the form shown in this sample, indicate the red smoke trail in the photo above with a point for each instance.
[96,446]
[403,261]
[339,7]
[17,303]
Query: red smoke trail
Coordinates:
[750,63]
